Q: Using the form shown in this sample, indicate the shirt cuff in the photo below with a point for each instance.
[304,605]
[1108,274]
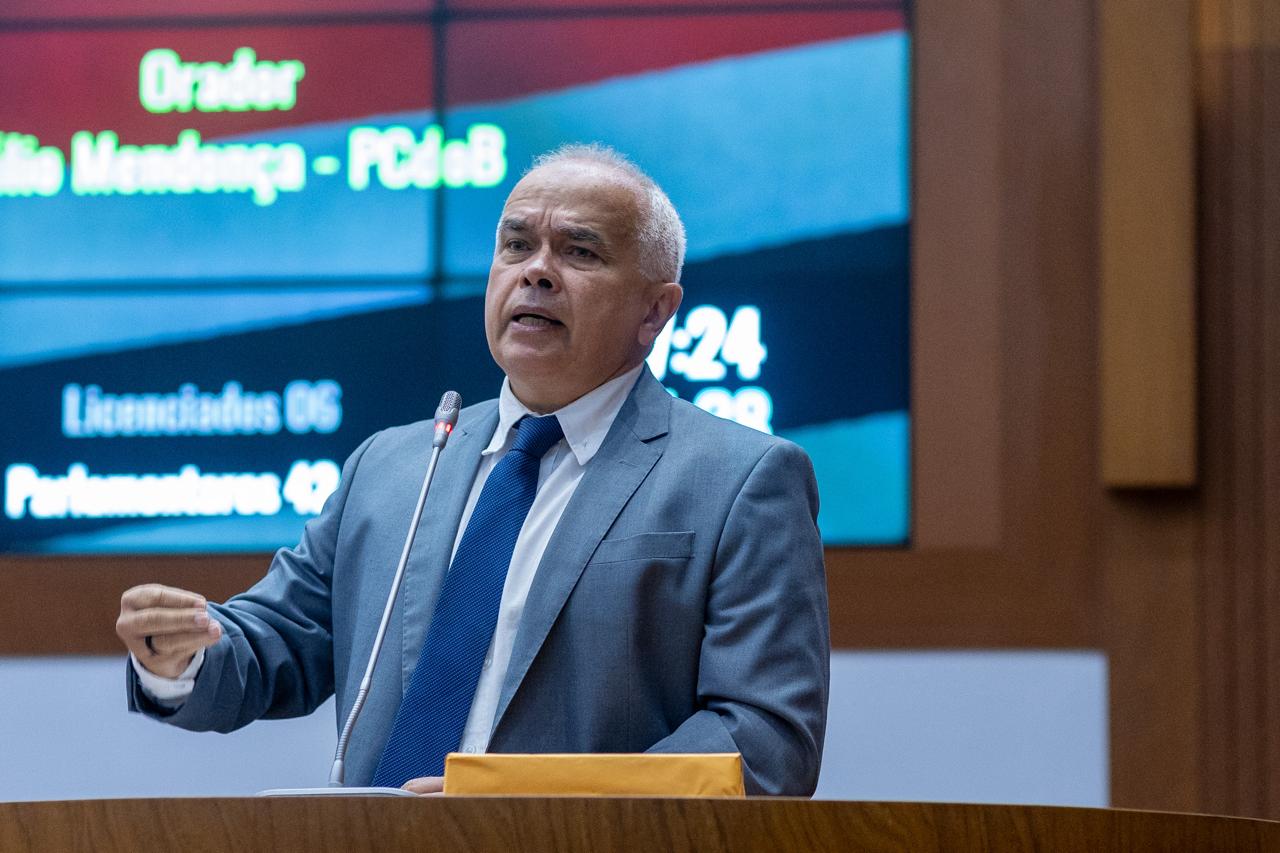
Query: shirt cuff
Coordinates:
[168,692]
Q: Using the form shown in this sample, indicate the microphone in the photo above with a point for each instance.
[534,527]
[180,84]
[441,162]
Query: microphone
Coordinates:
[446,419]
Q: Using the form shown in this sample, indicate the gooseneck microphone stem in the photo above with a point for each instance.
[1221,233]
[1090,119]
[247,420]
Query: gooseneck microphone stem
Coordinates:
[446,418]
[338,771]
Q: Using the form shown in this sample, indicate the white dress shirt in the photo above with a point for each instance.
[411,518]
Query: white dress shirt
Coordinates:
[585,422]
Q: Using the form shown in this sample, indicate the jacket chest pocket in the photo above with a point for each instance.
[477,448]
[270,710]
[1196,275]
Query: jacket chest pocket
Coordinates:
[640,605]
[656,548]
[636,578]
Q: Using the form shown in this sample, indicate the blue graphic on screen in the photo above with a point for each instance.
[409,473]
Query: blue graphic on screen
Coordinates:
[200,326]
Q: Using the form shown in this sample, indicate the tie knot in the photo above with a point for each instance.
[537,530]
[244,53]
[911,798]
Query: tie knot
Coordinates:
[535,436]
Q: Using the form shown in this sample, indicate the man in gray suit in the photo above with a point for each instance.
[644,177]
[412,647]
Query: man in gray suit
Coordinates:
[665,591]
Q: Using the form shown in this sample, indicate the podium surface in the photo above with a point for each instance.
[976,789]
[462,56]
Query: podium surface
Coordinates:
[510,824]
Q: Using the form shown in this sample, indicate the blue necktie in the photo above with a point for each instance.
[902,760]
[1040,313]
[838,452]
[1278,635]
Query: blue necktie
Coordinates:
[434,709]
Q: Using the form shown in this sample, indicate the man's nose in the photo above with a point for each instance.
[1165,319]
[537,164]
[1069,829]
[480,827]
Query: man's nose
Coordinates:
[538,271]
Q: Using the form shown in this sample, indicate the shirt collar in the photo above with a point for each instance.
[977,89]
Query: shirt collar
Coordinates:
[585,421]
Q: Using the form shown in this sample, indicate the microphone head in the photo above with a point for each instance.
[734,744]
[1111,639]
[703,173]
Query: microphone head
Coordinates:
[447,411]
[446,418]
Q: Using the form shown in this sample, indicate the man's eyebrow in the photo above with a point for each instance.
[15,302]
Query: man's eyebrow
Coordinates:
[577,233]
[580,234]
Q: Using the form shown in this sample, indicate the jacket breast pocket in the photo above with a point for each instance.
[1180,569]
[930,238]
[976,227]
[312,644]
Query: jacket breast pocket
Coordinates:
[665,547]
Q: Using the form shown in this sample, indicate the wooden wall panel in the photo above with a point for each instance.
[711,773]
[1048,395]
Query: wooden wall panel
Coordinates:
[1147,244]
[1239,102]
[63,605]
[1005,494]
[955,271]
[1148,565]
[1049,300]
[1150,572]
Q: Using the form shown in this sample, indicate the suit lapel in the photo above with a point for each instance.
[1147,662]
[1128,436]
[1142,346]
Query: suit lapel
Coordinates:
[625,458]
[429,559]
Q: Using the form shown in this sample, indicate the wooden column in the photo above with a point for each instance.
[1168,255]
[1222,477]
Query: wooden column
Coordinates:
[1146,246]
[1238,45]
[1148,565]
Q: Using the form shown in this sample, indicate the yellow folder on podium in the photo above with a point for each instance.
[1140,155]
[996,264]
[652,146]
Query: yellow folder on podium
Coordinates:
[595,775]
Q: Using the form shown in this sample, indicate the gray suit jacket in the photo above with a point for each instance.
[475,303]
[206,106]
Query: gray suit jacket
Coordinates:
[680,605]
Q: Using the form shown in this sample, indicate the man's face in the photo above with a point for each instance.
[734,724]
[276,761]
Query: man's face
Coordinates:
[567,307]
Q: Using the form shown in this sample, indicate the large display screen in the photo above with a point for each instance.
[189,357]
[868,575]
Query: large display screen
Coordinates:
[237,238]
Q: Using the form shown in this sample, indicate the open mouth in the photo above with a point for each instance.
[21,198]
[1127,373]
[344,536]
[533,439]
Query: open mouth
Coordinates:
[535,321]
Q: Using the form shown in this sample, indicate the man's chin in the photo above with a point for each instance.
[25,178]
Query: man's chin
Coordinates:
[533,363]
[538,380]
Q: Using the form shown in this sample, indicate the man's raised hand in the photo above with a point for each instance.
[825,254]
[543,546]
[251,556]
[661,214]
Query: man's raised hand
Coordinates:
[164,627]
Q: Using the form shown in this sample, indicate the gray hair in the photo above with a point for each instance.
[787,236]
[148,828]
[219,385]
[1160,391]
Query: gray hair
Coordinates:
[659,232]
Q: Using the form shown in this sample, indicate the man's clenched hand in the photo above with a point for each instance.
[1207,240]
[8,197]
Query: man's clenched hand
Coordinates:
[176,622]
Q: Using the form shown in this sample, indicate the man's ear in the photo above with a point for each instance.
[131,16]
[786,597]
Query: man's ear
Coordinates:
[665,303]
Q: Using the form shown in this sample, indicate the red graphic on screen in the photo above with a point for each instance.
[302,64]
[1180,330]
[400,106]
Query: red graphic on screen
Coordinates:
[502,58]
[57,82]
[116,10]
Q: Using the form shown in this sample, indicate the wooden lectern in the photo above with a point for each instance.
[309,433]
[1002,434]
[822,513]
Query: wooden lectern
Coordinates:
[511,824]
